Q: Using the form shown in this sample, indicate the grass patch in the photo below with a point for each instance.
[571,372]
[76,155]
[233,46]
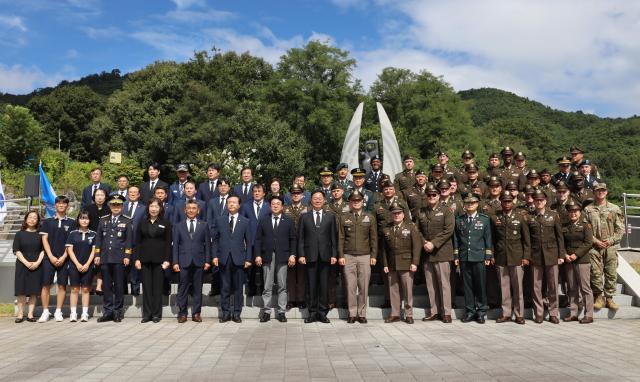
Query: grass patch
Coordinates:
[636,266]
[7,310]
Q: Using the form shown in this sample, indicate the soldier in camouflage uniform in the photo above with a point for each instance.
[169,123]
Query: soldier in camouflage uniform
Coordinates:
[296,275]
[608,227]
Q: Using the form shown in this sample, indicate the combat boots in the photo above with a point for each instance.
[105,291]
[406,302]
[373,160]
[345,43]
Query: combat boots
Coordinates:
[611,305]
[598,303]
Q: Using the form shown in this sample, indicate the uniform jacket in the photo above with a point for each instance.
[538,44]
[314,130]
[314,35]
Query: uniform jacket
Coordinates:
[437,226]
[472,240]
[404,180]
[511,240]
[357,235]
[402,246]
[114,241]
[578,239]
[547,240]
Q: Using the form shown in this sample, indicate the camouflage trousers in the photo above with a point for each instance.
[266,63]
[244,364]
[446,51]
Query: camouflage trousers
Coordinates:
[604,271]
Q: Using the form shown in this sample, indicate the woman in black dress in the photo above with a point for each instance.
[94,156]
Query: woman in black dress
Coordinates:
[97,210]
[153,253]
[27,246]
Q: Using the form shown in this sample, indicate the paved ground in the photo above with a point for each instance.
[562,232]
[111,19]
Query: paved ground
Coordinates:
[605,351]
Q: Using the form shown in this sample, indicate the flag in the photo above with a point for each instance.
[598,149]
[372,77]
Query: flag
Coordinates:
[47,194]
[3,204]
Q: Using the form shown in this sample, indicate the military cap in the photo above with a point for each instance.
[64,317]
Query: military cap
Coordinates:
[529,190]
[494,156]
[437,167]
[600,186]
[341,166]
[182,167]
[572,206]
[358,172]
[386,183]
[511,185]
[506,196]
[468,154]
[494,181]
[420,172]
[506,151]
[441,152]
[563,160]
[325,171]
[376,157]
[538,194]
[470,197]
[444,184]
[431,188]
[395,207]
[385,176]
[407,157]
[575,149]
[116,199]
[585,162]
[471,168]
[336,185]
[452,179]
[296,189]
[519,156]
[562,186]
[533,174]
[356,195]
[545,171]
[576,175]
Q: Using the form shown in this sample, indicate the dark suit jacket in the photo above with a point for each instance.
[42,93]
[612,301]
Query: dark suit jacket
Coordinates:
[187,251]
[203,191]
[214,211]
[153,241]
[317,244]
[87,193]
[179,215]
[138,214]
[146,193]
[238,189]
[282,242]
[248,212]
[234,247]
[174,193]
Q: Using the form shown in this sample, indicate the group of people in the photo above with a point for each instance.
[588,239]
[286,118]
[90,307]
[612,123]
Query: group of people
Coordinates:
[501,235]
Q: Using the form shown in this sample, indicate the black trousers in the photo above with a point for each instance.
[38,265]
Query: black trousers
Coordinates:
[475,295]
[112,288]
[190,275]
[152,280]
[318,288]
[232,278]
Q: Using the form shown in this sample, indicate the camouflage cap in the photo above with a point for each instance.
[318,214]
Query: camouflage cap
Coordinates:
[600,186]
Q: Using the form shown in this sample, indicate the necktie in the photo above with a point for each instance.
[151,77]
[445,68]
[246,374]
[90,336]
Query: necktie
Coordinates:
[317,218]
[211,186]
[221,203]
[181,186]
[192,229]
[395,229]
[114,220]
[131,205]
[231,224]
[122,193]
[469,220]
[95,187]
[152,185]
[246,189]
[257,209]
[275,224]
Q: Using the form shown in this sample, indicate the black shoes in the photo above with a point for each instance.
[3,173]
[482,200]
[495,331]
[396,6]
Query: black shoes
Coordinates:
[309,319]
[225,318]
[480,319]
[362,320]
[351,320]
[281,317]
[156,320]
[236,319]
[265,317]
[105,319]
[145,319]
[468,318]
[324,320]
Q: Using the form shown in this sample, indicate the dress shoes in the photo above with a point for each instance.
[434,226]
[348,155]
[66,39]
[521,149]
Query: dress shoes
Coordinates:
[502,319]
[409,320]
[586,320]
[537,320]
[468,318]
[117,318]
[145,319]
[391,319]
[480,320]
[105,318]
[309,319]
[225,318]
[19,320]
[554,320]
[520,320]
[291,304]
[332,306]
[570,318]
[281,317]
[265,317]
[236,319]
[196,318]
[32,319]
[182,319]
[324,320]
[351,320]
[156,320]
[362,320]
[302,305]
[446,319]
[432,317]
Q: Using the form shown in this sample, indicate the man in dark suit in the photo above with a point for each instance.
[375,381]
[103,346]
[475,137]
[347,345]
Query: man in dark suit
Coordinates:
[209,188]
[161,193]
[122,184]
[176,190]
[244,189]
[232,254]
[147,189]
[254,210]
[372,181]
[134,210]
[189,194]
[317,249]
[191,256]
[274,249]
[96,180]
[217,206]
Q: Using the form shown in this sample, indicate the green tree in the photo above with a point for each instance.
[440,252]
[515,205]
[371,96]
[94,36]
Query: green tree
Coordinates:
[22,135]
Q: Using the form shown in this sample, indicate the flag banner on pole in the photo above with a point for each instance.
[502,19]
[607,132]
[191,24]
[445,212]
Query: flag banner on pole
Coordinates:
[47,194]
[3,204]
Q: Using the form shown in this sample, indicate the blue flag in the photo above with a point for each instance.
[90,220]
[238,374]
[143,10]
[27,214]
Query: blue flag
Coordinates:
[47,194]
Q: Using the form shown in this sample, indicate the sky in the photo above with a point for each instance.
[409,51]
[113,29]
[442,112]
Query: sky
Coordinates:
[570,55]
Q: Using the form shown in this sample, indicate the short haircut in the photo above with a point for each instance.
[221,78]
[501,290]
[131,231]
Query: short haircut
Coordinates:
[246,168]
[96,169]
[277,197]
[191,201]
[122,176]
[299,175]
[62,199]
[258,186]
[154,165]
[163,188]
[214,166]
[234,196]
[84,213]
[190,181]
[317,191]
[157,201]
